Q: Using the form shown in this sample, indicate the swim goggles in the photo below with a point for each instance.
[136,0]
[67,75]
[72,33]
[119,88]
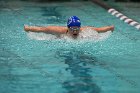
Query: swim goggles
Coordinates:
[74,29]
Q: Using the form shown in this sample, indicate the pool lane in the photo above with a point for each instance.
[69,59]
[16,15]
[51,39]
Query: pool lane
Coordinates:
[29,65]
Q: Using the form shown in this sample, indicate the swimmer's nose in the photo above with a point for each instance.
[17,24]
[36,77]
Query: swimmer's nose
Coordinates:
[75,31]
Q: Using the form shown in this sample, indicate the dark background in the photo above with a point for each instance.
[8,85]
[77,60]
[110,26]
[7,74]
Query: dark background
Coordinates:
[83,0]
[74,0]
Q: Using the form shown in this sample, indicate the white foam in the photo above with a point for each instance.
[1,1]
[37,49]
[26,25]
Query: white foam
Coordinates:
[94,35]
[87,34]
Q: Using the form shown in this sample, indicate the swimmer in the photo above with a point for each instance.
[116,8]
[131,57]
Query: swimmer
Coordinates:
[73,28]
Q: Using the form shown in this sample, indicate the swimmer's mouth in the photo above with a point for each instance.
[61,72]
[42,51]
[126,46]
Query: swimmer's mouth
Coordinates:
[75,34]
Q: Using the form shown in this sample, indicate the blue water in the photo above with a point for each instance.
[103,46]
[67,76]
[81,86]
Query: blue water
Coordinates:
[43,63]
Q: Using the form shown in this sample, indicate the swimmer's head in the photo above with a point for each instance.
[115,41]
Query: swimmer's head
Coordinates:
[73,21]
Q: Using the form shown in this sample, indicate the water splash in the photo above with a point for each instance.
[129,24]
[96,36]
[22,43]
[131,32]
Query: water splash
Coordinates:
[93,35]
[87,34]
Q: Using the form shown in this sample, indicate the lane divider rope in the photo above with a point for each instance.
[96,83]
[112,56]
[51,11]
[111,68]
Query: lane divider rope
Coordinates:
[124,18]
[119,15]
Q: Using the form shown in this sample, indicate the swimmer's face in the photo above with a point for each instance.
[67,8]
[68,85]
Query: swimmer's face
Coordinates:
[74,30]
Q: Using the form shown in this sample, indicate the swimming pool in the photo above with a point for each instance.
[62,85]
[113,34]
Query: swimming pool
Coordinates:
[37,62]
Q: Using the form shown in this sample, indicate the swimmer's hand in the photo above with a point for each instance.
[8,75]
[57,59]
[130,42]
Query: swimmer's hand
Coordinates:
[112,28]
[35,28]
[26,28]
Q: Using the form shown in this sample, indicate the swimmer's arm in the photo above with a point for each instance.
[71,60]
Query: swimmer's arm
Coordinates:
[104,29]
[54,29]
[100,29]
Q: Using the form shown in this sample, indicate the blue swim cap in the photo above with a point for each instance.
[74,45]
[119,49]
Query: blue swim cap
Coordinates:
[73,21]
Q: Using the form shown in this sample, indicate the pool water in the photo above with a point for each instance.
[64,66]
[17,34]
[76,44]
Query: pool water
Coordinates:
[43,63]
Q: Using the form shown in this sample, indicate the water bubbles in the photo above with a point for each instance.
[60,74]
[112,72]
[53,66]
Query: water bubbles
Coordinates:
[93,35]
